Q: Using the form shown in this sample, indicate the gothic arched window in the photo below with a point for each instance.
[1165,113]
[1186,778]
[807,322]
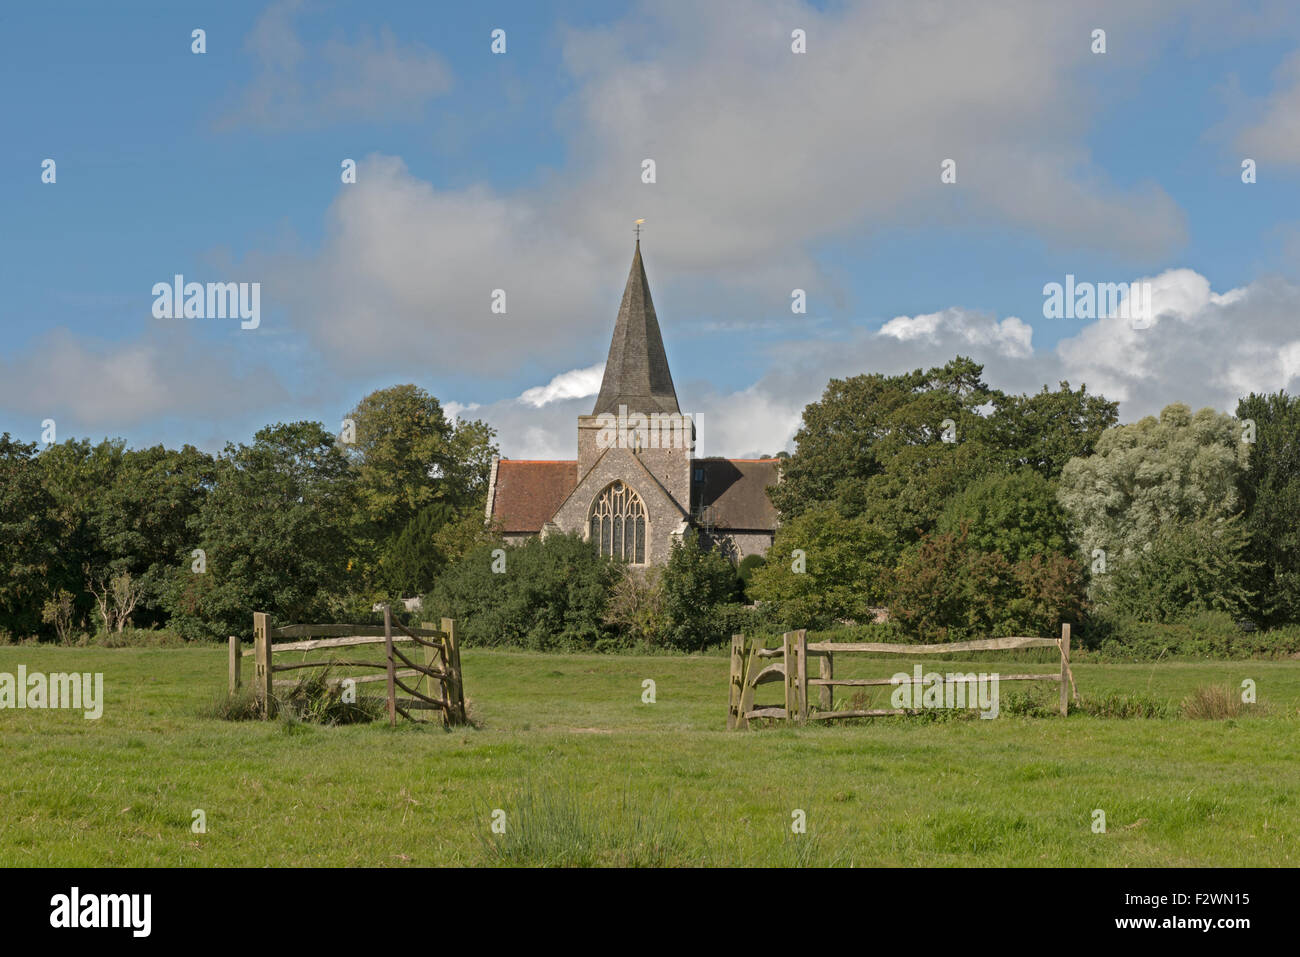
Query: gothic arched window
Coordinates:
[618,524]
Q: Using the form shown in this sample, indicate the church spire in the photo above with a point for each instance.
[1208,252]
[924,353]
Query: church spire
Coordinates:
[636,372]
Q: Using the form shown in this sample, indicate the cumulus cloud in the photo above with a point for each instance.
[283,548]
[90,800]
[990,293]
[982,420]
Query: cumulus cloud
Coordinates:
[374,77]
[1275,136]
[761,154]
[576,384]
[1200,347]
[87,384]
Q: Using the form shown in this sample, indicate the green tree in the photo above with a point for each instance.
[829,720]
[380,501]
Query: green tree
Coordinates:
[697,582]
[414,558]
[1270,496]
[1187,570]
[876,437]
[28,530]
[1151,475]
[275,532]
[1045,430]
[1016,515]
[547,593]
[946,590]
[824,566]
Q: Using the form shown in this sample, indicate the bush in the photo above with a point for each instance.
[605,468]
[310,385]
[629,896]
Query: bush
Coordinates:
[1214,703]
[1017,516]
[945,590]
[546,594]
[636,607]
[1187,569]
[696,582]
[1207,635]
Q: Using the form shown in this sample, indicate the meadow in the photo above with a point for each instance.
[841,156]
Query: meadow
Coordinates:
[586,773]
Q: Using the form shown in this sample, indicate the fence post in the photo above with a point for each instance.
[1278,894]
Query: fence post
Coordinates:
[1065,669]
[826,671]
[262,669]
[790,666]
[392,676]
[456,691]
[734,682]
[801,660]
[234,665]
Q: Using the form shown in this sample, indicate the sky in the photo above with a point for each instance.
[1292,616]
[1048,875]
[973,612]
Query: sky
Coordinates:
[523,169]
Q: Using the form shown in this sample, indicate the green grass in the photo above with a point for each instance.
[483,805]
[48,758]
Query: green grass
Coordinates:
[585,773]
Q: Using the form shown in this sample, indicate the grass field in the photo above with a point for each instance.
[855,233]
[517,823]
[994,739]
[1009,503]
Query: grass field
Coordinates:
[588,774]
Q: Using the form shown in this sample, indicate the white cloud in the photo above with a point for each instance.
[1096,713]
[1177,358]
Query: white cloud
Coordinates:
[576,384]
[1202,347]
[372,78]
[1009,337]
[1275,136]
[761,154]
[86,384]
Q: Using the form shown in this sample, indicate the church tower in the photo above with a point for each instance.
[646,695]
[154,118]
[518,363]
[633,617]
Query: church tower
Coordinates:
[634,486]
[634,449]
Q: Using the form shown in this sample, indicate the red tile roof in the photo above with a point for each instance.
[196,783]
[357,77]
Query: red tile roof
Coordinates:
[528,492]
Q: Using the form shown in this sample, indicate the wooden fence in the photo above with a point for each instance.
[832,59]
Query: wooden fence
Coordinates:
[753,665]
[439,673]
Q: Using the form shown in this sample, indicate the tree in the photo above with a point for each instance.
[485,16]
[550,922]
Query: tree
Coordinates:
[545,594]
[946,590]
[1045,430]
[1187,570]
[414,558]
[1016,515]
[28,538]
[1270,495]
[1151,475]
[893,449]
[877,427]
[409,456]
[824,566]
[274,531]
[696,583]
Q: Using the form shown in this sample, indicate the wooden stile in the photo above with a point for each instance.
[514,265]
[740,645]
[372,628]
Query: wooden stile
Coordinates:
[441,663]
[745,674]
[734,679]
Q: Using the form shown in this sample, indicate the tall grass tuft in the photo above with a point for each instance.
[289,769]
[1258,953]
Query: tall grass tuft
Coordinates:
[556,826]
[1214,703]
[311,701]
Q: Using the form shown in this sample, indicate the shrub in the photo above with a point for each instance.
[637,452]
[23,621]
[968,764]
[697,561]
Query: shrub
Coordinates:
[696,581]
[636,607]
[549,593]
[945,590]
[1187,569]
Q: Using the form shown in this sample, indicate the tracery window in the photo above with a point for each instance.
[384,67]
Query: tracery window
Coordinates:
[618,524]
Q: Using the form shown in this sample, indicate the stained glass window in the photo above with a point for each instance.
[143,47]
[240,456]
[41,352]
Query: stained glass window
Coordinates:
[618,523]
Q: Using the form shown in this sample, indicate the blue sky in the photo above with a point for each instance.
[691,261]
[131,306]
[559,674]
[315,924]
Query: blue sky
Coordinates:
[521,171]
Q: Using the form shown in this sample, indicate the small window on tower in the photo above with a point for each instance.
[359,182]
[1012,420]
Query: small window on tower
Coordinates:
[699,475]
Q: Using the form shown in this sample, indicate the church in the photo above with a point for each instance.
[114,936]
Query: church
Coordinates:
[635,485]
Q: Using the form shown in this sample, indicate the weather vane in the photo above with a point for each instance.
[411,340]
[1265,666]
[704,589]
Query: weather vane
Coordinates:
[639,224]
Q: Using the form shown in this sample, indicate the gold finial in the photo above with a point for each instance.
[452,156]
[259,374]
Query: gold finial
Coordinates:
[637,227]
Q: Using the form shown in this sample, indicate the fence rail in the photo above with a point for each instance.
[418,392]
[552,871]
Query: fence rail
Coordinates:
[438,683]
[748,672]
